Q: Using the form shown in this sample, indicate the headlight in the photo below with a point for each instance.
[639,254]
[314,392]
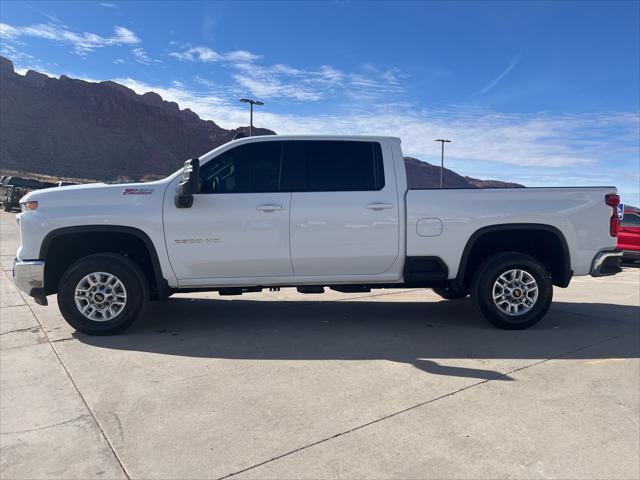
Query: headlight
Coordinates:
[31,205]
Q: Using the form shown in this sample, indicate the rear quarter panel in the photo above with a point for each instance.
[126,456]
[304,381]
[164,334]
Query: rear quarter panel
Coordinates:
[580,214]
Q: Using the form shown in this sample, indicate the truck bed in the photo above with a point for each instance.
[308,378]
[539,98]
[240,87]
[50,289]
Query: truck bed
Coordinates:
[441,222]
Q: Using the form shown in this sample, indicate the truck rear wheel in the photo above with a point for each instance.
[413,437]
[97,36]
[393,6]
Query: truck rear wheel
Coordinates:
[512,290]
[102,294]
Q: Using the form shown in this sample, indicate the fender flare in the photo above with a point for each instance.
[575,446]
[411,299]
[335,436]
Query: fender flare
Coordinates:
[567,273]
[160,282]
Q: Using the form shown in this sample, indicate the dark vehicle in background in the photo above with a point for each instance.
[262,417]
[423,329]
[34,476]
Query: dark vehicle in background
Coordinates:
[12,189]
[629,235]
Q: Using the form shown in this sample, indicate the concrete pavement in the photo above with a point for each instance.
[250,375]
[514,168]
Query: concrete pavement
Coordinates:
[394,384]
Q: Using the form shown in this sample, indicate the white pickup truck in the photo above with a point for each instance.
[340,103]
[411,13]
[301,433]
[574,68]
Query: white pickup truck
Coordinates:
[308,212]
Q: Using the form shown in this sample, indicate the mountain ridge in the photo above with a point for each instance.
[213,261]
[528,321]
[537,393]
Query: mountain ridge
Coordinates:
[75,128]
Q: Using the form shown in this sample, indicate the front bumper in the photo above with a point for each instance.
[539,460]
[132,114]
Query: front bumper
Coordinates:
[28,275]
[606,262]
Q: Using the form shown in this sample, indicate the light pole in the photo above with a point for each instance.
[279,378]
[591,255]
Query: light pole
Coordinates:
[442,142]
[251,104]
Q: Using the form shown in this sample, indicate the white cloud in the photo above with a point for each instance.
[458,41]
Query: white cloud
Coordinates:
[371,86]
[16,55]
[284,81]
[203,54]
[330,74]
[494,82]
[141,56]
[275,82]
[108,5]
[478,135]
[83,43]
[43,13]
[207,55]
[391,76]
[240,56]
[204,81]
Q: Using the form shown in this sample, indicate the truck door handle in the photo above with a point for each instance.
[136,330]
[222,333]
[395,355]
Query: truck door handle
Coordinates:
[379,206]
[269,207]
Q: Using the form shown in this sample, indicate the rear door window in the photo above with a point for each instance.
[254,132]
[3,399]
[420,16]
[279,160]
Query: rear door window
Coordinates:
[330,166]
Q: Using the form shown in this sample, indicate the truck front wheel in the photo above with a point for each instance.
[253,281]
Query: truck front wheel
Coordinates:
[102,294]
[512,290]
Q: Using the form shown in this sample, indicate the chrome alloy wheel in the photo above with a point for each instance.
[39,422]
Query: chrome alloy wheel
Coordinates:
[515,292]
[100,296]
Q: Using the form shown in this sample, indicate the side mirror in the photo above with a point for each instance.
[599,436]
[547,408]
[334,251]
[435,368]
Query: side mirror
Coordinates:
[189,184]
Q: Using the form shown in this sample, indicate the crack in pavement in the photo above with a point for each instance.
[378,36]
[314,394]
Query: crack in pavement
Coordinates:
[75,386]
[63,339]
[22,330]
[13,306]
[421,404]
[71,420]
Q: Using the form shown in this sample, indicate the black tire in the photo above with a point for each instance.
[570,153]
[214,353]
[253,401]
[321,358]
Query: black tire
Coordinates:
[482,291]
[126,271]
[452,293]
[6,206]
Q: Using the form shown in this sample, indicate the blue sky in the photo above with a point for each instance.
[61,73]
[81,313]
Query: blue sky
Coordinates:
[545,93]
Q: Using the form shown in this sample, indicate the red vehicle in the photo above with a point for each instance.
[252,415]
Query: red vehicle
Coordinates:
[629,234]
